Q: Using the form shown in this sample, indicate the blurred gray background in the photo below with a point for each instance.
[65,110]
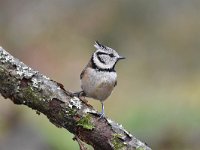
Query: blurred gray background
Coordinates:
[157,97]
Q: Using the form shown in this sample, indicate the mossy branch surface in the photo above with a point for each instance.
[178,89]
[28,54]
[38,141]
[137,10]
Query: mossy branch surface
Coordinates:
[25,86]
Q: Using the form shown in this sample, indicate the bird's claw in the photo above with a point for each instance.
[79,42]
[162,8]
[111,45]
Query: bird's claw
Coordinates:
[101,115]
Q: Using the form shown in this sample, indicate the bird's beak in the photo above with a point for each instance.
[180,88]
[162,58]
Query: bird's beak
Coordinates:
[121,57]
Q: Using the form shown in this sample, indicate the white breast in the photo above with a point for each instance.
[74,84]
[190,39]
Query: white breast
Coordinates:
[98,84]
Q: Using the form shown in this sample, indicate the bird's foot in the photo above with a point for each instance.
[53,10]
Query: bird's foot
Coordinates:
[101,115]
[81,95]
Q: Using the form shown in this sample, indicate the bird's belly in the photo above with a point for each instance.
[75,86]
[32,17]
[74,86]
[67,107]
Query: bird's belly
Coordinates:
[98,86]
[101,91]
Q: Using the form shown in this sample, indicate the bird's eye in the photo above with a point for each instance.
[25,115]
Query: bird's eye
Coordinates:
[111,55]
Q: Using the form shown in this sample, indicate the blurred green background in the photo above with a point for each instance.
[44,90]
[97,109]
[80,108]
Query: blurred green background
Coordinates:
[157,97]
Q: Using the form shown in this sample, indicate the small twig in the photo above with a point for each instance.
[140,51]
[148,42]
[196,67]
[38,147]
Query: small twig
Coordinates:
[80,143]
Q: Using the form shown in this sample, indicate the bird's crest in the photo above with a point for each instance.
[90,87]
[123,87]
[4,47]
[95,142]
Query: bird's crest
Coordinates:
[98,45]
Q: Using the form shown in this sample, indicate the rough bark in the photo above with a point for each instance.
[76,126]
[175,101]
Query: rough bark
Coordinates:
[25,86]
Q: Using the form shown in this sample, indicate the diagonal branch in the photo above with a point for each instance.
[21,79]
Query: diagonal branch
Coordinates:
[25,86]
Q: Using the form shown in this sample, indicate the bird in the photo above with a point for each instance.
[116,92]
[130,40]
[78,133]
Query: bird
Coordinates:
[99,77]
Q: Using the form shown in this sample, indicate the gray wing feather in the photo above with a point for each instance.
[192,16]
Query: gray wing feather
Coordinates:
[115,83]
[82,73]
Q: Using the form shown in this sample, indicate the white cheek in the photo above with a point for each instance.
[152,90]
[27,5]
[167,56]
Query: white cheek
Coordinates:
[101,65]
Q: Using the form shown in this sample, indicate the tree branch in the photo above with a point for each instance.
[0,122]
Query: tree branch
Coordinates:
[25,86]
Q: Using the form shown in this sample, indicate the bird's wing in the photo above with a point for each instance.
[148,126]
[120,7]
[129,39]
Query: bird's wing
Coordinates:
[83,72]
[115,83]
